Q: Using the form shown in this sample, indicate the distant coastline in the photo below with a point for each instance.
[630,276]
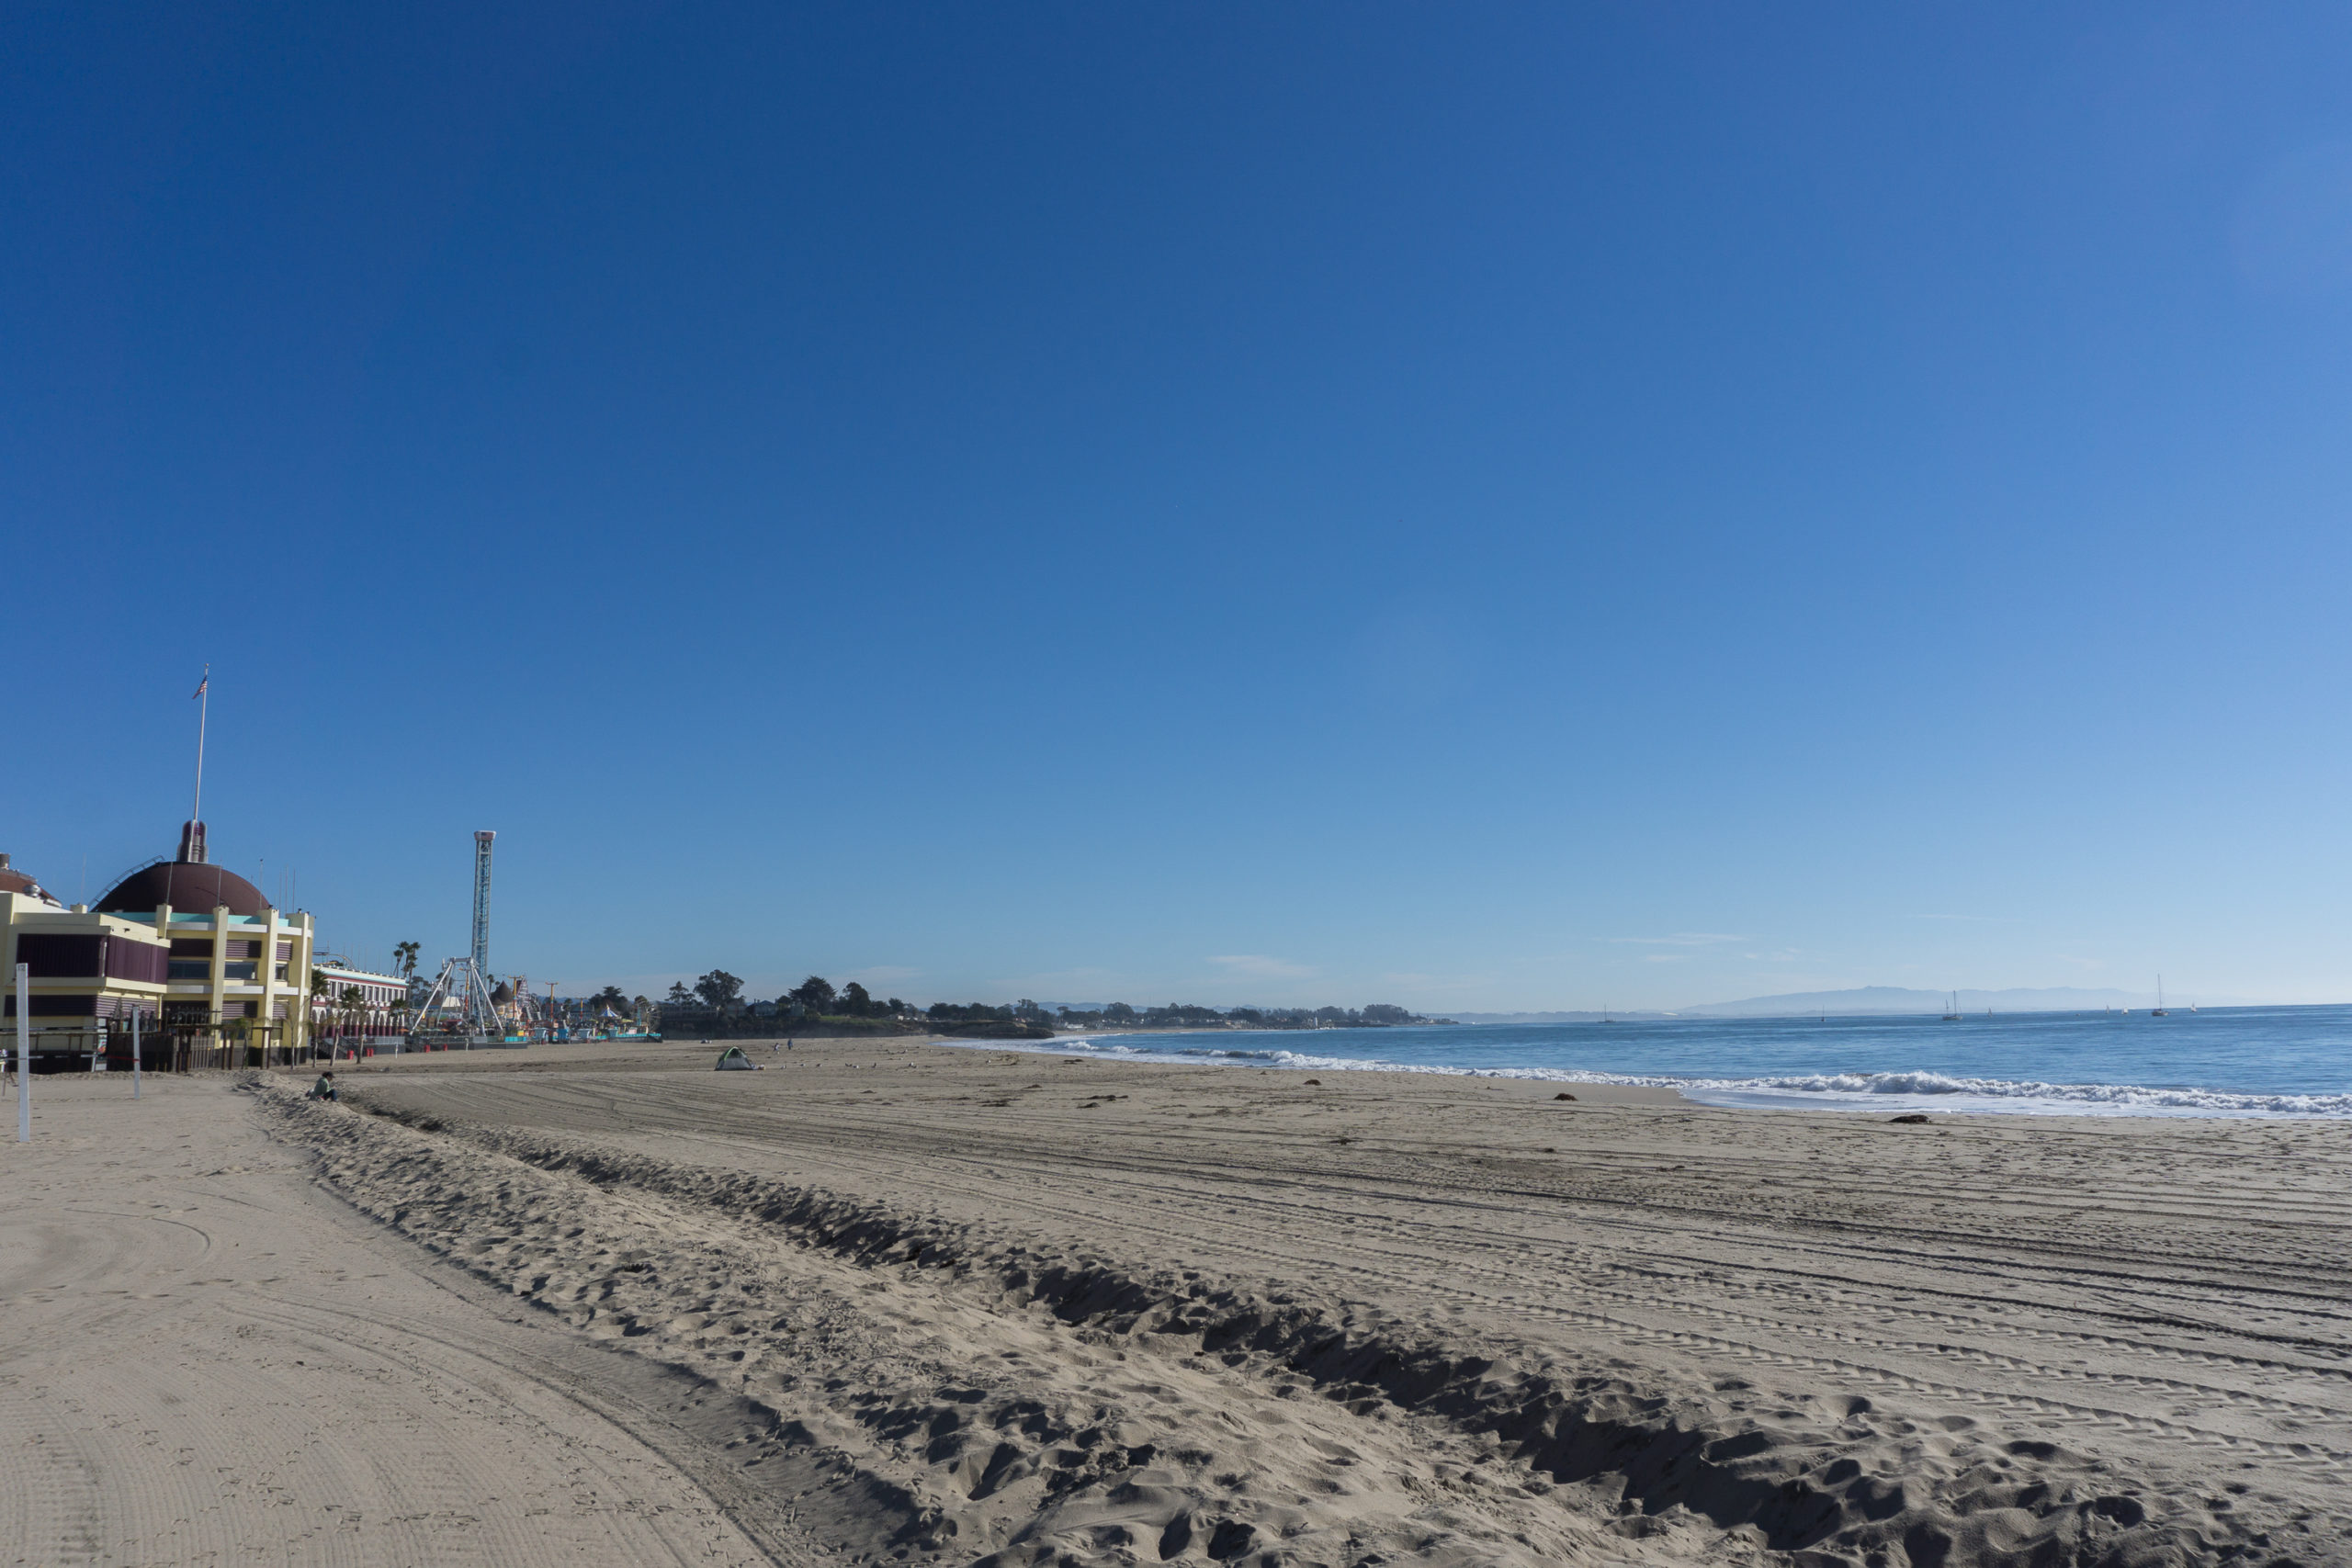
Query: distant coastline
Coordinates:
[1877,1001]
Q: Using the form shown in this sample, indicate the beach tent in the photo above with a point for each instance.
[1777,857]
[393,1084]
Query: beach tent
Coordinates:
[732,1060]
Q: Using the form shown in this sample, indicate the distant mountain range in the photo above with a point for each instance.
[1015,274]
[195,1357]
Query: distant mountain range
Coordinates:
[1898,998]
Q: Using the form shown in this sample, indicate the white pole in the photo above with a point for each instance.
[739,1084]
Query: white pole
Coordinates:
[24,1053]
[203,711]
[134,1051]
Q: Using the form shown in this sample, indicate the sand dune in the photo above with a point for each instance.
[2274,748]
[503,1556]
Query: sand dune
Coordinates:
[947,1306]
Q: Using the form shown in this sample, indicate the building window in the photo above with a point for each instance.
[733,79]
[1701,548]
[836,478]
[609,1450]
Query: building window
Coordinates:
[237,971]
[186,969]
[52,956]
[281,971]
[53,1007]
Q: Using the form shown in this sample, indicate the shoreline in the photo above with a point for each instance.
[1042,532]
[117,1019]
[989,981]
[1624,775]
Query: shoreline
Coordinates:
[1890,1092]
[1880,1094]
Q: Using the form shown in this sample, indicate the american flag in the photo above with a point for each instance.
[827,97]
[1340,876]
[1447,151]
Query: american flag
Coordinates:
[201,686]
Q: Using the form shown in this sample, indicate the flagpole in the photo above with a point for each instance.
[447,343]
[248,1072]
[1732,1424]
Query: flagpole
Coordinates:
[203,710]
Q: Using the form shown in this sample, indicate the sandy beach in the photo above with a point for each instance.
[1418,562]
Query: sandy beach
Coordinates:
[898,1301]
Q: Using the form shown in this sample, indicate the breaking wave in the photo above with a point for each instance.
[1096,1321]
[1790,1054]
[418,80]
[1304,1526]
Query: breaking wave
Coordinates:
[1820,1091]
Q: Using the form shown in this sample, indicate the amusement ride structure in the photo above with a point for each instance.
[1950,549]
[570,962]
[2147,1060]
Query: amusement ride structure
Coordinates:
[466,1007]
[460,1002]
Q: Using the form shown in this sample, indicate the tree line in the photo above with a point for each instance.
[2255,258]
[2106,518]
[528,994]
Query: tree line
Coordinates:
[817,998]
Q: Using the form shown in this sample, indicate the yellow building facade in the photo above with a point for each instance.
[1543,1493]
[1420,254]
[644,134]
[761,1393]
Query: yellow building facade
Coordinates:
[195,952]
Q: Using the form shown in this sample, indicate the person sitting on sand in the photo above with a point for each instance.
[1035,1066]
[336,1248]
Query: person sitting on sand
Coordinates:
[324,1088]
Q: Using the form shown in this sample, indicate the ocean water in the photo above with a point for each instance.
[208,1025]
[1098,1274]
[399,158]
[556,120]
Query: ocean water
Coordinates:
[2280,1061]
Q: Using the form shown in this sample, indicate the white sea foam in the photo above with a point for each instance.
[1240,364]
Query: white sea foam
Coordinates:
[1820,1091]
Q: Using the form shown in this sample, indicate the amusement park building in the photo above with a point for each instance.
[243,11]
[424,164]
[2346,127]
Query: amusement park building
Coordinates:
[377,1015]
[183,944]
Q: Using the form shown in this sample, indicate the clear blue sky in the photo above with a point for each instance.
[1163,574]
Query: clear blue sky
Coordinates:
[1502,506]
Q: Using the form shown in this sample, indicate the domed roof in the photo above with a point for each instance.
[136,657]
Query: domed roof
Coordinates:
[190,886]
[14,881]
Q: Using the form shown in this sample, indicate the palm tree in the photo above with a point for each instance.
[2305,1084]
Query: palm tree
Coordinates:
[405,954]
[318,1006]
[353,1003]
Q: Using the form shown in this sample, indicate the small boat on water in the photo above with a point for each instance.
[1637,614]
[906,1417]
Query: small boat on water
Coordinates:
[1953,1016]
[2158,1010]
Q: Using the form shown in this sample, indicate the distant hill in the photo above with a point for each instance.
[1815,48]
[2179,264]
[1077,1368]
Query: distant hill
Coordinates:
[1901,1000]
